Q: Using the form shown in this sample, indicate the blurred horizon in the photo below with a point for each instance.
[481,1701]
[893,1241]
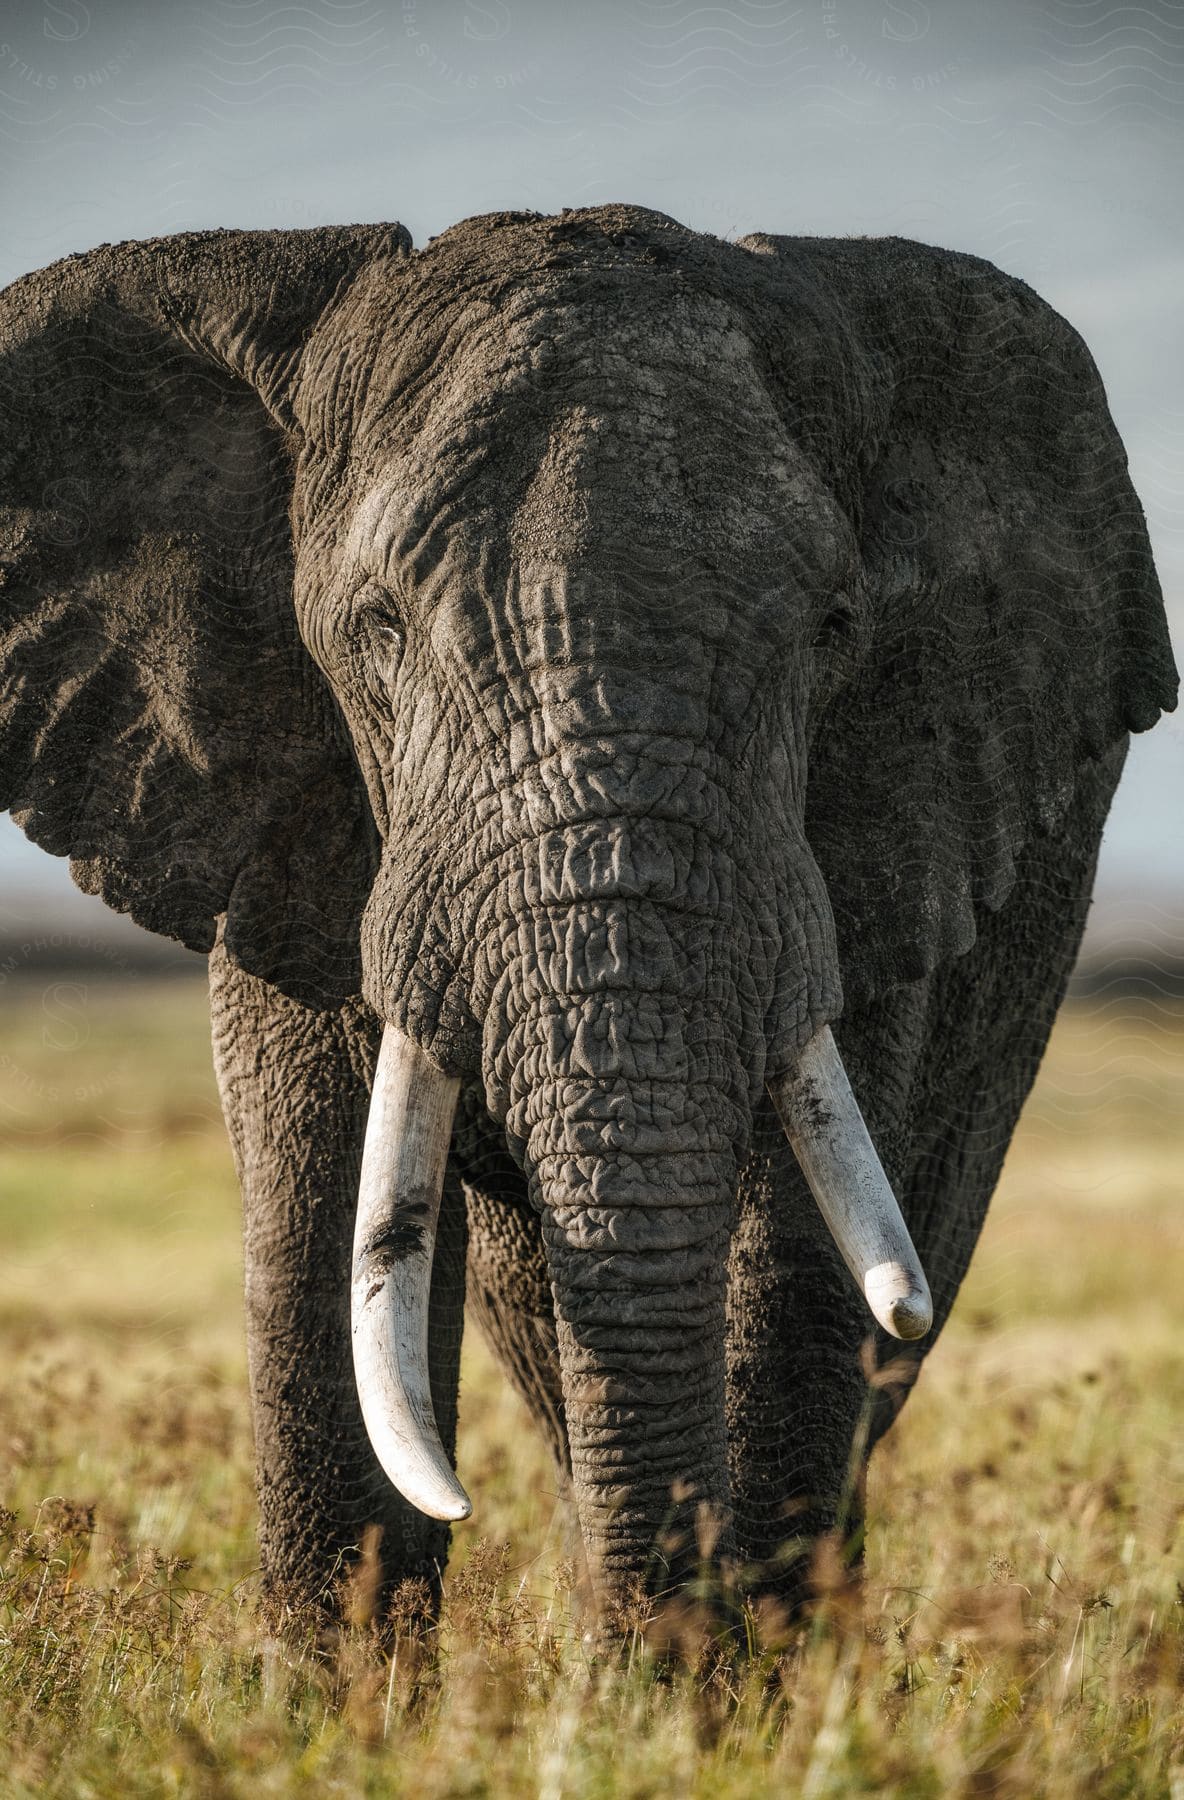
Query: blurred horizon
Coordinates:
[1043,138]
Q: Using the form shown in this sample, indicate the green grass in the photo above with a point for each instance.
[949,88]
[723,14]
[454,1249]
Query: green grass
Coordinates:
[1021,1628]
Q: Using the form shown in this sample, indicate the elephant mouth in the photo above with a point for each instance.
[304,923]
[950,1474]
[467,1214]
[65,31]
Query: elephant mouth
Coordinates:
[403,1163]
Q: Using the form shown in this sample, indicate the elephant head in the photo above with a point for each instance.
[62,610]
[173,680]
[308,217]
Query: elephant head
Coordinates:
[602,645]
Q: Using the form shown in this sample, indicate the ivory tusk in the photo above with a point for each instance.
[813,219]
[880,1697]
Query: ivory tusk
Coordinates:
[825,1127]
[407,1135]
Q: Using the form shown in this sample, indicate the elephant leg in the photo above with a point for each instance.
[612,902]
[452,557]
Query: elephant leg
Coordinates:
[295,1090]
[813,1380]
[942,1068]
[801,1344]
[508,1287]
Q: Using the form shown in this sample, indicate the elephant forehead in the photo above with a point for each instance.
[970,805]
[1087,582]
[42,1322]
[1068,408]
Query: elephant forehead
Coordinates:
[660,492]
[493,372]
[560,429]
[552,335]
[664,487]
[648,346]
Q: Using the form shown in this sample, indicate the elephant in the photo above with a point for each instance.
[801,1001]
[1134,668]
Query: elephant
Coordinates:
[629,718]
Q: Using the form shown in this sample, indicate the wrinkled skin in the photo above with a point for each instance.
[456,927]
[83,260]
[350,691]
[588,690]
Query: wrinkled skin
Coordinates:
[607,654]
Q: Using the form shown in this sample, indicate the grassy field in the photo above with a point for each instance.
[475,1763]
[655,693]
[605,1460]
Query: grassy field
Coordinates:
[1021,1633]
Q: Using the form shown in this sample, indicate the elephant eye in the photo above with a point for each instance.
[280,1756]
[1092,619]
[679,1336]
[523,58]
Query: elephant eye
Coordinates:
[835,628]
[384,632]
[388,632]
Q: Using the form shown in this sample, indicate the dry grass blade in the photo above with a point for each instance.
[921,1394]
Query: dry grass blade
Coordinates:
[1020,1633]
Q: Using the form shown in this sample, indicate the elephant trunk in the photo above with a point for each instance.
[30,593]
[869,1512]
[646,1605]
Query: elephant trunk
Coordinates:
[639,1292]
[630,962]
[627,1094]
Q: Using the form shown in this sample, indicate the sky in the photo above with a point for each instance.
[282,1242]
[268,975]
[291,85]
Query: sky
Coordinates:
[1048,138]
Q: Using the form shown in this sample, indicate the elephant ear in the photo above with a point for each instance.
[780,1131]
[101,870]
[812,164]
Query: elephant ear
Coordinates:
[1015,628]
[160,720]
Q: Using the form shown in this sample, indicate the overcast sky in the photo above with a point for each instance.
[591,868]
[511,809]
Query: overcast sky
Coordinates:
[1046,137]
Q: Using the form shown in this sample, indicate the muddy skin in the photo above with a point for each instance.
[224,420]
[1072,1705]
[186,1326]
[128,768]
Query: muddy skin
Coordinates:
[402,1237]
[607,655]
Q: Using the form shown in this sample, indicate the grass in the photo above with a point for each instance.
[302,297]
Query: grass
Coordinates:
[1021,1631]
